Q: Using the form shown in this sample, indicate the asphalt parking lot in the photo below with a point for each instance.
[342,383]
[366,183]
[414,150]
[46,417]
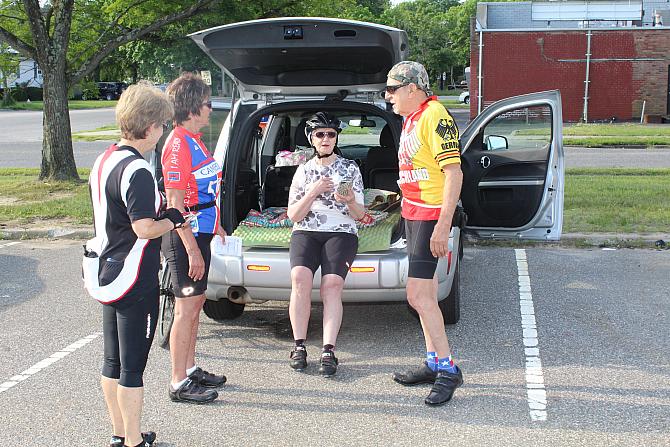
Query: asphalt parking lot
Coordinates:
[600,328]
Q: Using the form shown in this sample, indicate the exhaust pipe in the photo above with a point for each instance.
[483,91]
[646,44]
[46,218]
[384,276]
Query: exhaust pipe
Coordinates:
[238,295]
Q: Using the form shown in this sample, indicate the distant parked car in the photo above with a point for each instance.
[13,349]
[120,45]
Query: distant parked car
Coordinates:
[111,90]
[464,97]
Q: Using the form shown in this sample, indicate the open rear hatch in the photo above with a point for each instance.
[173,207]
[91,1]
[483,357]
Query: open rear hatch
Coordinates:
[305,55]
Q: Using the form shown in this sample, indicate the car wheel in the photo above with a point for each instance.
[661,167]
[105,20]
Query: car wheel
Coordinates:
[451,305]
[109,97]
[467,100]
[166,306]
[222,310]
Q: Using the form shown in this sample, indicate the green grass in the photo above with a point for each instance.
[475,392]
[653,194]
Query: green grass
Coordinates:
[101,137]
[603,135]
[627,129]
[611,130]
[25,199]
[617,141]
[596,200]
[90,135]
[617,200]
[74,105]
[104,128]
[453,104]
[351,130]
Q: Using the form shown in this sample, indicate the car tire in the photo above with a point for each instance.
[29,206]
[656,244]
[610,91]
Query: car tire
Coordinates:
[165,307]
[451,305]
[223,310]
[467,100]
[109,97]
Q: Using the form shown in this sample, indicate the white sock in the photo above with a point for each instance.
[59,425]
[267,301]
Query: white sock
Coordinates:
[175,386]
[191,370]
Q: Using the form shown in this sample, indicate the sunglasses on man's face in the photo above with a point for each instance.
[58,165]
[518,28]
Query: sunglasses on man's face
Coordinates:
[329,134]
[391,89]
[208,104]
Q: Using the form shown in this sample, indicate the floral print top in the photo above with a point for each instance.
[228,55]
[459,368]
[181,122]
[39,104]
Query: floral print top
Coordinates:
[326,214]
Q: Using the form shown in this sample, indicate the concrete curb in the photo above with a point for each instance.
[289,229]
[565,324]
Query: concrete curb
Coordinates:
[46,233]
[632,240]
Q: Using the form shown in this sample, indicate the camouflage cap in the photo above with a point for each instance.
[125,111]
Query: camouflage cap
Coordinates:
[411,72]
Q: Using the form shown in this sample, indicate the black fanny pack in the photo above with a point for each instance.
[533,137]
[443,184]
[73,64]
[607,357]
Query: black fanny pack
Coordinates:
[200,206]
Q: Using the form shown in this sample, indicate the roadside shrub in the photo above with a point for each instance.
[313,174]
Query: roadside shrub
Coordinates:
[84,90]
[22,94]
[7,99]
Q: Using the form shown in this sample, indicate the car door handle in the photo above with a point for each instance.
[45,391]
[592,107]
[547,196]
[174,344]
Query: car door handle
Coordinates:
[485,161]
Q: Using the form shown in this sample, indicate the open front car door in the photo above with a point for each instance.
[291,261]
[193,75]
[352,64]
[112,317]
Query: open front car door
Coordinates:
[513,175]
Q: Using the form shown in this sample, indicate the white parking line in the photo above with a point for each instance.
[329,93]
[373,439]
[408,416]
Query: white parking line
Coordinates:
[9,244]
[535,390]
[53,358]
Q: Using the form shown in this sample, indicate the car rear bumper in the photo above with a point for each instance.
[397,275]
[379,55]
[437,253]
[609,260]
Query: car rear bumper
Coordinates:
[265,274]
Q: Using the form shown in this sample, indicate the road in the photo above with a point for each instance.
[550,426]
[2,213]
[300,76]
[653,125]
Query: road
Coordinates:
[22,145]
[22,136]
[602,321]
[26,125]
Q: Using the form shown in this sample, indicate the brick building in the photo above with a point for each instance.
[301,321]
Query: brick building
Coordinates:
[609,59]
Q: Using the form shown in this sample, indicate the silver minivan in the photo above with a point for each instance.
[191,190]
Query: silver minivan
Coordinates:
[286,69]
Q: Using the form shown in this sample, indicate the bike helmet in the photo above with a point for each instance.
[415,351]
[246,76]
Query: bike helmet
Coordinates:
[321,120]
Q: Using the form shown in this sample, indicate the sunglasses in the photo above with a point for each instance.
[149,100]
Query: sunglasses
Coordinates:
[391,89]
[329,134]
[208,104]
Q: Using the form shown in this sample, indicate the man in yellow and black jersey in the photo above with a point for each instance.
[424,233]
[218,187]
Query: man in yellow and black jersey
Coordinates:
[430,181]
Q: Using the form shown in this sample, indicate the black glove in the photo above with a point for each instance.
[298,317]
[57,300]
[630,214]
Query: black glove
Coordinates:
[174,215]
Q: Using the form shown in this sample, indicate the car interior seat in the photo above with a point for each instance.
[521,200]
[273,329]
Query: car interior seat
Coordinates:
[381,166]
[278,178]
[300,139]
[277,185]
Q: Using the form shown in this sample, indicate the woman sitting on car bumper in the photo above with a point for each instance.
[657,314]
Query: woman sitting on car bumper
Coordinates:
[325,199]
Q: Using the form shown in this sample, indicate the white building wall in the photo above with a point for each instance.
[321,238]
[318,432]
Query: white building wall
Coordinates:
[29,73]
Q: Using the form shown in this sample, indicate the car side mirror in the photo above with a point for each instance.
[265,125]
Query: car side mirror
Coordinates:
[495,142]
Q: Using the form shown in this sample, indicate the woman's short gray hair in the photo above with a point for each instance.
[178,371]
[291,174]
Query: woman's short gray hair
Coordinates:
[140,106]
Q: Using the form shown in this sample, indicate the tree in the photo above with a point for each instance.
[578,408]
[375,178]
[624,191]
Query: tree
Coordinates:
[9,65]
[427,26]
[70,39]
[459,29]
[161,55]
[100,28]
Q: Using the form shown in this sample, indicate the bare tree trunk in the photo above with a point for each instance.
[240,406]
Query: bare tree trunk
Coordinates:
[57,155]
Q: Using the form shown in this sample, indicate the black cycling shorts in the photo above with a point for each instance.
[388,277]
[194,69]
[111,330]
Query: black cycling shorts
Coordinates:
[128,331]
[175,253]
[333,251]
[422,263]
